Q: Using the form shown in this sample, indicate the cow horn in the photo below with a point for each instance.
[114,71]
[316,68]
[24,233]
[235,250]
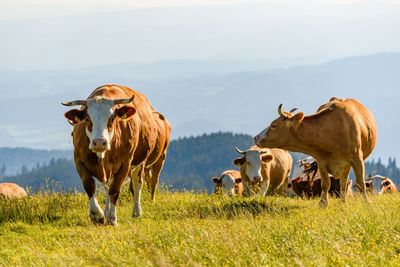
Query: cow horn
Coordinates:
[280,111]
[302,162]
[75,103]
[293,110]
[124,101]
[240,151]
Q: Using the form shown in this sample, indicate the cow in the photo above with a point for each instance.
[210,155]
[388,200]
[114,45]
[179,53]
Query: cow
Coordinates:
[340,136]
[269,167]
[389,186]
[230,183]
[11,190]
[312,188]
[379,184]
[117,133]
[302,170]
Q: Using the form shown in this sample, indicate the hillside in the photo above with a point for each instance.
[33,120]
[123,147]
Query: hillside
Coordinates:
[190,165]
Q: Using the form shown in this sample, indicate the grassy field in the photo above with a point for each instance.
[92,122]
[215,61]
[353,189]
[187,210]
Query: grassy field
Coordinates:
[187,229]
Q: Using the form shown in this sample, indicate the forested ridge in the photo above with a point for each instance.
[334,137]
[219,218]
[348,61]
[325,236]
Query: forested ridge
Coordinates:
[190,165]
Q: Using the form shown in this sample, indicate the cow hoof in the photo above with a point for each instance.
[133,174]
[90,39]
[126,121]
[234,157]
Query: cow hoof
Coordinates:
[323,204]
[97,218]
[112,223]
[137,213]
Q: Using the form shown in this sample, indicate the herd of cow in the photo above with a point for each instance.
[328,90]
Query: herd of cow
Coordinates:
[305,182]
[117,134]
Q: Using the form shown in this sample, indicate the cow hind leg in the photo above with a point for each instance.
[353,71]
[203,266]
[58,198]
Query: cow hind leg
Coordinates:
[157,167]
[359,170]
[325,186]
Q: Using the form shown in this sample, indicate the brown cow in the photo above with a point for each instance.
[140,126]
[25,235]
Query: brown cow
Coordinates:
[230,183]
[11,190]
[269,167]
[309,189]
[116,133]
[340,136]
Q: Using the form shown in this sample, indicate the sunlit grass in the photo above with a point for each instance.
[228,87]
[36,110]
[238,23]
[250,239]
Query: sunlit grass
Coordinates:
[198,229]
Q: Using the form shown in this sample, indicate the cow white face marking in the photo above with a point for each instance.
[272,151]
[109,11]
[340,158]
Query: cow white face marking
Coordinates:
[228,185]
[377,186]
[261,136]
[99,111]
[253,165]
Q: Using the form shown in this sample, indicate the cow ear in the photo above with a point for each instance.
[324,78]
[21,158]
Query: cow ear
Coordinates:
[267,158]
[298,116]
[239,161]
[74,116]
[216,180]
[125,112]
[297,180]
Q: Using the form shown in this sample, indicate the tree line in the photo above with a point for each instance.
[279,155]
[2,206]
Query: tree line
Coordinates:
[190,165]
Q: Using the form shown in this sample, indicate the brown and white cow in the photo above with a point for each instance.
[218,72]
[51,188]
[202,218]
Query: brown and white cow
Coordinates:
[269,167]
[379,184]
[389,187]
[116,133]
[340,136]
[10,190]
[230,183]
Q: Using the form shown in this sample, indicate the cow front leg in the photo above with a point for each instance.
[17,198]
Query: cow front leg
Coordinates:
[325,186]
[113,195]
[96,214]
[264,189]
[136,188]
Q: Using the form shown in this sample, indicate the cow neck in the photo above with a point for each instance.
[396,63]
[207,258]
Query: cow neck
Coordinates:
[303,141]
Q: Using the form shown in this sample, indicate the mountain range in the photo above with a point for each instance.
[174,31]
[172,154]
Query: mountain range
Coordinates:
[202,96]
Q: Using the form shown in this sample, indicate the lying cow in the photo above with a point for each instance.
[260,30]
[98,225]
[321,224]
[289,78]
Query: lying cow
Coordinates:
[378,185]
[117,133]
[340,136]
[309,188]
[230,183]
[10,190]
[269,167]
[389,186]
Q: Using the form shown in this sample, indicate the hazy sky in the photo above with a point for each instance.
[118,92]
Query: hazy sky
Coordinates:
[48,34]
[18,9]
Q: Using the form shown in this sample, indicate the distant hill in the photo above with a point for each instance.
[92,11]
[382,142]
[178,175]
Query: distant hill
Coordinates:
[190,164]
[13,159]
[204,96]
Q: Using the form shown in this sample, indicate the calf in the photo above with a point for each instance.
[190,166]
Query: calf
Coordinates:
[10,190]
[230,183]
[268,167]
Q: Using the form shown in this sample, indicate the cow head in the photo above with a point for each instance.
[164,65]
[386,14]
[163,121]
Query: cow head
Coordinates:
[99,116]
[225,184]
[280,132]
[388,186]
[250,163]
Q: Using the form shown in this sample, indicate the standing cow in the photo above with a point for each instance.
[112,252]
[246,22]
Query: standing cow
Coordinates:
[230,183]
[269,167]
[340,136]
[116,133]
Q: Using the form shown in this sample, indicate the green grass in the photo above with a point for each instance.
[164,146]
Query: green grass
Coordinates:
[199,230]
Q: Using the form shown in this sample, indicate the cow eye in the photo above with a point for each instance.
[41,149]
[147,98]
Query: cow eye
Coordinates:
[273,126]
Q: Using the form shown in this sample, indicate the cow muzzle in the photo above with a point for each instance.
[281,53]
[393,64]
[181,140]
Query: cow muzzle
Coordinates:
[257,179]
[99,145]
